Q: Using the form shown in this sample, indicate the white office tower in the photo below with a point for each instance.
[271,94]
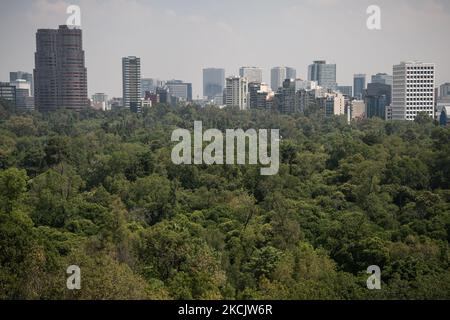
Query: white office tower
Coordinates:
[237,93]
[253,74]
[413,90]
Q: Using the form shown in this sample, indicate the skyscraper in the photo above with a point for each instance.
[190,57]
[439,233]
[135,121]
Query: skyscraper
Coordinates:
[288,99]
[21,75]
[72,88]
[253,89]
[382,78]
[291,73]
[213,82]
[60,75]
[413,90]
[323,73]
[359,85]
[279,74]
[253,74]
[131,83]
[237,93]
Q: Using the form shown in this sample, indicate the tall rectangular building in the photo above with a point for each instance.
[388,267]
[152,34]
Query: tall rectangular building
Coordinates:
[291,73]
[413,90]
[237,93]
[253,89]
[277,77]
[359,85]
[45,72]
[279,74]
[213,82]
[253,74]
[131,83]
[324,73]
[288,99]
[60,75]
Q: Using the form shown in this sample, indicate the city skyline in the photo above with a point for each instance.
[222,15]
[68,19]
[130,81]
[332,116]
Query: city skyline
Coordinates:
[185,55]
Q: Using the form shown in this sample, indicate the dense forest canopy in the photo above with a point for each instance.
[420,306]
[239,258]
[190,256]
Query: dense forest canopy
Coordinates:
[99,190]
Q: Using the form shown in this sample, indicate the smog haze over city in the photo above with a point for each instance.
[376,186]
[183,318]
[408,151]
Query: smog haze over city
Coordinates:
[175,39]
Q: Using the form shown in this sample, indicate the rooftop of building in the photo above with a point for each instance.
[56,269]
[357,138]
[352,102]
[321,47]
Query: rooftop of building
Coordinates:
[417,62]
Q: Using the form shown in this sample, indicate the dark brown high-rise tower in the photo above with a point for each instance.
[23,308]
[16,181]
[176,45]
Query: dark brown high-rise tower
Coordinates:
[60,74]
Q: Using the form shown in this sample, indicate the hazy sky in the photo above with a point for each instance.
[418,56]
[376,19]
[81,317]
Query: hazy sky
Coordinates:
[177,38]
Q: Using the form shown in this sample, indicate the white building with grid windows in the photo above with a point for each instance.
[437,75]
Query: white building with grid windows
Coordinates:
[413,90]
[237,95]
